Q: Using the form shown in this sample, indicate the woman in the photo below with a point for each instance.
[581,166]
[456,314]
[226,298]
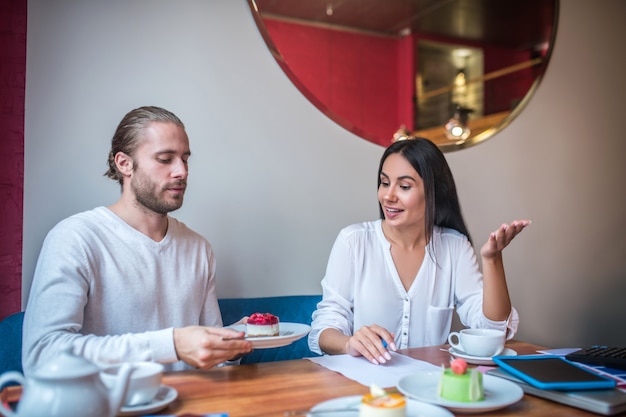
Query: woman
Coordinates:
[396,281]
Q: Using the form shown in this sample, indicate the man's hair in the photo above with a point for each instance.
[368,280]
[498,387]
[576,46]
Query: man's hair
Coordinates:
[128,133]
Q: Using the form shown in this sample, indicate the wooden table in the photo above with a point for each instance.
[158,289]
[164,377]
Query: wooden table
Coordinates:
[271,388]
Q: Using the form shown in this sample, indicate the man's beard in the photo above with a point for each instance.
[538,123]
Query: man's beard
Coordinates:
[147,195]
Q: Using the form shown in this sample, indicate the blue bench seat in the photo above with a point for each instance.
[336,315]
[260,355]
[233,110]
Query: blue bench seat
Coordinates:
[289,308]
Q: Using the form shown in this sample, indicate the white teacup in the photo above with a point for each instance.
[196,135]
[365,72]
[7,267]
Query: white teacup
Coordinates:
[143,385]
[478,342]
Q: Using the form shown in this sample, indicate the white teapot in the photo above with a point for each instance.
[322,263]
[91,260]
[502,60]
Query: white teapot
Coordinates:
[68,386]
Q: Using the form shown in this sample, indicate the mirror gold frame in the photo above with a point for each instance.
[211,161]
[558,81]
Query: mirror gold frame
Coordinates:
[407,57]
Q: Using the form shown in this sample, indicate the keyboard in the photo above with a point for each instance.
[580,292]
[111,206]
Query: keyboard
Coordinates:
[609,356]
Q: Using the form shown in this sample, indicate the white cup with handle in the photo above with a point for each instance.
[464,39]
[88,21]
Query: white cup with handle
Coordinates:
[483,343]
[143,385]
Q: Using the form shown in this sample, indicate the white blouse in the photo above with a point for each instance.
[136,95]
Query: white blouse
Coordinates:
[362,287]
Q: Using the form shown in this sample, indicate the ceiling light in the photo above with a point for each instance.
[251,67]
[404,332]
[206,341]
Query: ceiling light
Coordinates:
[456,128]
[401,134]
[460,80]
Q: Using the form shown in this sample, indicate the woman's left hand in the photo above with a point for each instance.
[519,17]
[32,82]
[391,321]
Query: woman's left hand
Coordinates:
[499,239]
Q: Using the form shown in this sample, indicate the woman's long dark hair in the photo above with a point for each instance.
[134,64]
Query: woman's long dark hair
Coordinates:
[442,202]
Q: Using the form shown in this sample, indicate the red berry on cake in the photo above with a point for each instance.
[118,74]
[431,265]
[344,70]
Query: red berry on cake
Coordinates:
[458,366]
[262,324]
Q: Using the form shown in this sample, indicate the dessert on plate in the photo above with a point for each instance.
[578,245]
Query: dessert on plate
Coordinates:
[380,403]
[262,324]
[458,383]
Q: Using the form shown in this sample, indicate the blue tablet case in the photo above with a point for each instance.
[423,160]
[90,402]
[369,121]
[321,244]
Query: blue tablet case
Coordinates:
[608,402]
[551,372]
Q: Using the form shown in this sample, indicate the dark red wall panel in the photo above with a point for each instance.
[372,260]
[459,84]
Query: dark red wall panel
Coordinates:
[354,74]
[12,92]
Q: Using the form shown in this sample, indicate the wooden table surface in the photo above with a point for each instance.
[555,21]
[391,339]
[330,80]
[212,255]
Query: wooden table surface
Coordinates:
[272,388]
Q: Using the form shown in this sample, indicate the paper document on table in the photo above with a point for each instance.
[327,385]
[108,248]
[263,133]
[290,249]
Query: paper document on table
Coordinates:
[364,372]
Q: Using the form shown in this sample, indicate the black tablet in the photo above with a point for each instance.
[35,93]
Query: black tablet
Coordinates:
[552,372]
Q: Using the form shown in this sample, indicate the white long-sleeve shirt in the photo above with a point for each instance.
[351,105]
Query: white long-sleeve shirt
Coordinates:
[115,294]
[362,287]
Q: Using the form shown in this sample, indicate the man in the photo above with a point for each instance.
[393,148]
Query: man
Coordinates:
[128,282]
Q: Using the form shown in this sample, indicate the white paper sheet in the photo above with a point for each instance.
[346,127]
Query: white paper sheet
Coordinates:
[362,371]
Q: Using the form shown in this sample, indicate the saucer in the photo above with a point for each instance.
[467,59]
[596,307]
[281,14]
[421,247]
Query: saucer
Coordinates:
[480,360]
[499,393]
[164,397]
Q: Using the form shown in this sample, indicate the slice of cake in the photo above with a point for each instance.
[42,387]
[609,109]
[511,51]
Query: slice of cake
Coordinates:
[379,403]
[458,383]
[262,324]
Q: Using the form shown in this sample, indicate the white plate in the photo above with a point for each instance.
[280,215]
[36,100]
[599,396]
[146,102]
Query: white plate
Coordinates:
[288,333]
[413,408]
[499,393]
[163,398]
[480,360]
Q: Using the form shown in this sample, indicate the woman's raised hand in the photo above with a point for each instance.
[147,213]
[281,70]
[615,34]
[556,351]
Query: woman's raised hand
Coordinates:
[499,239]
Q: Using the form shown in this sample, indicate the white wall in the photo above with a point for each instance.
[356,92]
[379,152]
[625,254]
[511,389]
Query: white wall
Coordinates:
[273,180]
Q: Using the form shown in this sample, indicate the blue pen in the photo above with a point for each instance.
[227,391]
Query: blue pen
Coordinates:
[384,343]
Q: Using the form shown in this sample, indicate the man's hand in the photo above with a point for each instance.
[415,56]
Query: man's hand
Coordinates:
[205,347]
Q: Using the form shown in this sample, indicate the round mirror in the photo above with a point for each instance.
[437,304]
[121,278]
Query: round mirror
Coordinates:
[453,71]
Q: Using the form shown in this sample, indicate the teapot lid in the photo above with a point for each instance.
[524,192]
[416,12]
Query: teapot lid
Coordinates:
[66,365]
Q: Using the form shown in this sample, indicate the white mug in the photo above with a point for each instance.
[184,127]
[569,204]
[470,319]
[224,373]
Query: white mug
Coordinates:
[478,342]
[144,383]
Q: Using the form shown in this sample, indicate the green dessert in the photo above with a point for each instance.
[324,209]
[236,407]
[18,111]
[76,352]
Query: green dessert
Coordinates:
[460,384]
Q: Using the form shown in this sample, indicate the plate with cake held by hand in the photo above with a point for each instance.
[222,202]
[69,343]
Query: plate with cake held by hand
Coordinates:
[287,334]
